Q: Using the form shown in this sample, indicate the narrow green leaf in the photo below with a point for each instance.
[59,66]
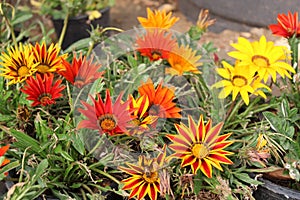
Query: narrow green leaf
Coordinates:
[77,143]
[21,18]
[9,166]
[66,156]
[41,168]
[246,178]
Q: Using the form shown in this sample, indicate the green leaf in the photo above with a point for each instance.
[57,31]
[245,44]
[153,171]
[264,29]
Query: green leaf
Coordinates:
[80,44]
[21,18]
[24,141]
[197,182]
[246,178]
[66,156]
[41,168]
[9,166]
[77,143]
[273,120]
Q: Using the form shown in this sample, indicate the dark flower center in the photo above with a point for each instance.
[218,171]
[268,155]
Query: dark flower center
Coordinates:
[23,71]
[107,122]
[200,150]
[239,81]
[43,68]
[45,98]
[261,61]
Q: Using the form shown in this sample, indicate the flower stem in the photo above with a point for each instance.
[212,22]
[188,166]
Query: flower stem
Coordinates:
[63,31]
[106,175]
[294,42]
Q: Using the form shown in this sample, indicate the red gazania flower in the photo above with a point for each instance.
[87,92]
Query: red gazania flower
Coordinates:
[144,177]
[287,26]
[106,117]
[200,146]
[3,150]
[155,44]
[81,72]
[42,90]
[141,119]
[48,59]
[161,100]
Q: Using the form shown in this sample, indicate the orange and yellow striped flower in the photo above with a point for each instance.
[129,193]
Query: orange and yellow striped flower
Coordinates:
[144,177]
[18,64]
[42,90]
[160,99]
[105,116]
[141,120]
[158,19]
[49,59]
[200,146]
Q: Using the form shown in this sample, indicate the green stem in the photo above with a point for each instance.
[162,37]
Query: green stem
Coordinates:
[233,110]
[106,175]
[11,29]
[294,42]
[64,29]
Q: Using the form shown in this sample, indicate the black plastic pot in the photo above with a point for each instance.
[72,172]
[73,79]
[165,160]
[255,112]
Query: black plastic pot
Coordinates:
[78,27]
[271,191]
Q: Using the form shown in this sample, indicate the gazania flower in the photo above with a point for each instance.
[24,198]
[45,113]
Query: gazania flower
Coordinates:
[287,26]
[200,146]
[160,100]
[43,90]
[238,81]
[262,57]
[144,177]
[81,72]
[158,19]
[155,45]
[106,117]
[140,118]
[257,86]
[183,59]
[3,150]
[49,59]
[18,64]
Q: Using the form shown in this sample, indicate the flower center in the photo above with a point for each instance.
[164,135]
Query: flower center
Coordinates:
[156,55]
[45,98]
[107,122]
[239,81]
[260,61]
[155,110]
[200,151]
[23,71]
[42,68]
[150,177]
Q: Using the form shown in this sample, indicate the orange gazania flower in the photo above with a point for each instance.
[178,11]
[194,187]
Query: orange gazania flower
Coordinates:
[144,177]
[81,72]
[49,59]
[287,26]
[42,90]
[158,19]
[161,100]
[17,64]
[200,146]
[155,45]
[5,161]
[106,117]
[140,118]
[183,59]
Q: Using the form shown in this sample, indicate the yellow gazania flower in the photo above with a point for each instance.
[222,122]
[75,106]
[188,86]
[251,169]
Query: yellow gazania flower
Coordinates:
[183,59]
[239,79]
[257,85]
[158,19]
[18,64]
[49,59]
[263,57]
[144,179]
[200,146]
